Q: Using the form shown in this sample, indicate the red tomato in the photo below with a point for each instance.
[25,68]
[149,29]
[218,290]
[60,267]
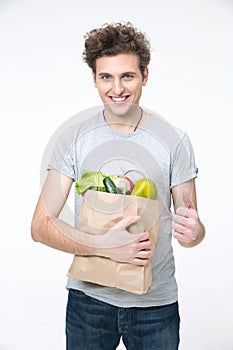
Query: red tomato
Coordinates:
[131,185]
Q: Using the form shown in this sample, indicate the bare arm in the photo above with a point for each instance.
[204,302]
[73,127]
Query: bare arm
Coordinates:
[48,229]
[188,228]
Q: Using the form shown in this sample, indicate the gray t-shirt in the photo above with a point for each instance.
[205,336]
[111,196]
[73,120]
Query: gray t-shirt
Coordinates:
[158,151]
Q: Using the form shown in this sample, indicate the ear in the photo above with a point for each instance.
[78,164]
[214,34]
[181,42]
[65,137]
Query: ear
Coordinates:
[145,76]
[94,78]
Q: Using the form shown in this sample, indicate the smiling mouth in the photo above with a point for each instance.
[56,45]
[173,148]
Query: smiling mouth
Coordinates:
[119,99]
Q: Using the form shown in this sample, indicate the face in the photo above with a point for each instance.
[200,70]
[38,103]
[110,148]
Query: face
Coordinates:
[119,81]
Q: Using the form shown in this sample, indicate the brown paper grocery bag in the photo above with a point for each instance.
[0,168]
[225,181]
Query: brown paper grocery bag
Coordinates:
[99,212]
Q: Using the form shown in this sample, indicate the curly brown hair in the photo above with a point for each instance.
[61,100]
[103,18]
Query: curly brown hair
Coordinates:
[113,39]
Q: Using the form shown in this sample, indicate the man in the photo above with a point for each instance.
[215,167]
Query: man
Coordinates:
[118,55]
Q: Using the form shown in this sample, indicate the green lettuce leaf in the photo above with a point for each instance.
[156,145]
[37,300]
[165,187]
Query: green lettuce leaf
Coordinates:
[92,180]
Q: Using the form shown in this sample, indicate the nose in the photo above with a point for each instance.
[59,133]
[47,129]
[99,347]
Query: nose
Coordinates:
[117,87]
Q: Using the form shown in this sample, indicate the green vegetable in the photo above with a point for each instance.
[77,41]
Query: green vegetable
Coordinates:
[92,180]
[109,185]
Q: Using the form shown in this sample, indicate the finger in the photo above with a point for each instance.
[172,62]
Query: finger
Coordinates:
[141,262]
[181,219]
[182,229]
[145,244]
[142,236]
[186,223]
[186,197]
[183,237]
[185,212]
[144,254]
[127,221]
[180,237]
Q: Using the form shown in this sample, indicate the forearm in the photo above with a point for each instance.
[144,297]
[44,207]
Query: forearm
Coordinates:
[123,246]
[57,234]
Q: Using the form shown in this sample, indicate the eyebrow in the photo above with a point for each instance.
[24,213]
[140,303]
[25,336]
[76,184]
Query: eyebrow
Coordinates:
[103,73]
[125,73]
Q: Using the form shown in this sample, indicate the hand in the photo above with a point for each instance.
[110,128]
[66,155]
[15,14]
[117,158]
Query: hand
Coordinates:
[122,246]
[186,221]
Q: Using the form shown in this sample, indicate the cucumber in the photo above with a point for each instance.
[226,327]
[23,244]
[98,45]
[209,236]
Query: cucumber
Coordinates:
[109,185]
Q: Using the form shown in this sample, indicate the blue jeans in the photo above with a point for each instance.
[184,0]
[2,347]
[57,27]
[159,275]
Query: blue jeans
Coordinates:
[94,325]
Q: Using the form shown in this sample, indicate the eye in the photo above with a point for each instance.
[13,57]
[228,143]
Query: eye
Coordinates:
[105,77]
[128,76]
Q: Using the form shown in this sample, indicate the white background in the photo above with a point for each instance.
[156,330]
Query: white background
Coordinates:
[43,82]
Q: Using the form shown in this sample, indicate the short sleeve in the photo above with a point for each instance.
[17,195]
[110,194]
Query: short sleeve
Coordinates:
[63,155]
[183,167]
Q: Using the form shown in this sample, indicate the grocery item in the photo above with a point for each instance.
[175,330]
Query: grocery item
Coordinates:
[145,188]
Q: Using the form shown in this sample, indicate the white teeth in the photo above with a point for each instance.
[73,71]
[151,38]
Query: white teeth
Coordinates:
[118,99]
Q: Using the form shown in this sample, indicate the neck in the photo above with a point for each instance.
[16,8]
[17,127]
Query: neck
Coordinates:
[126,122]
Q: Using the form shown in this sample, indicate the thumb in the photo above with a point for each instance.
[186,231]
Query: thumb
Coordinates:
[186,197]
[128,220]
